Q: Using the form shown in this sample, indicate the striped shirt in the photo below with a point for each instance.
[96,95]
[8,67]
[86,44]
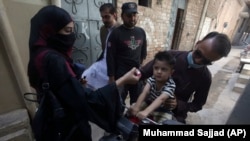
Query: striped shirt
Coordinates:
[168,89]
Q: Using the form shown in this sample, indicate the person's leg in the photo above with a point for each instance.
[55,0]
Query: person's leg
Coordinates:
[135,91]
[180,112]
[180,115]
[123,92]
[181,118]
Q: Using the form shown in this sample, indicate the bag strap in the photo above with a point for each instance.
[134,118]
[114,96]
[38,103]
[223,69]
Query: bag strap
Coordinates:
[26,97]
[45,85]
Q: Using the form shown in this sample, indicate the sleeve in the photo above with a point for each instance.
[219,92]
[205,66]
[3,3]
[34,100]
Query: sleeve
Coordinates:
[169,88]
[111,53]
[84,104]
[201,94]
[150,81]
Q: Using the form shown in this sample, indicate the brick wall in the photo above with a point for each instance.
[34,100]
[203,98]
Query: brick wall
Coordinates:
[155,21]
[191,24]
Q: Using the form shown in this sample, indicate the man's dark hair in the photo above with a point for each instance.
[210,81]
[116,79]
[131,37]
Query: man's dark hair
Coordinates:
[110,6]
[165,56]
[221,44]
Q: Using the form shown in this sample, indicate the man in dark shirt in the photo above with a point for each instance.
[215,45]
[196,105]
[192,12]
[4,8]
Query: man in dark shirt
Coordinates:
[126,49]
[192,77]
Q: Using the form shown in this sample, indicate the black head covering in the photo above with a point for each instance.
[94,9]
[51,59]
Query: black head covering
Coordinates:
[46,23]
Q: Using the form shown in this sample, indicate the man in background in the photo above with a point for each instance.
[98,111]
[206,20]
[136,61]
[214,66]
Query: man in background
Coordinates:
[96,74]
[126,48]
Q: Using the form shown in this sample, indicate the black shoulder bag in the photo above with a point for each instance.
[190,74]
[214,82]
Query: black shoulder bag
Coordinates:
[49,123]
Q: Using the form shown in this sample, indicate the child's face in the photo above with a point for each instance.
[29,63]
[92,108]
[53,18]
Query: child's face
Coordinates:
[162,71]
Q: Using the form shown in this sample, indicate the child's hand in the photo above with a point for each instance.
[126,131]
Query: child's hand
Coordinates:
[133,110]
[142,115]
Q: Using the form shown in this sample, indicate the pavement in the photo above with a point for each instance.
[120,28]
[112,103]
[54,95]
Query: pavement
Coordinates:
[227,87]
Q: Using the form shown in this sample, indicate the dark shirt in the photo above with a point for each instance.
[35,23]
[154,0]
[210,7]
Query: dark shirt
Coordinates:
[103,36]
[188,80]
[104,31]
[126,49]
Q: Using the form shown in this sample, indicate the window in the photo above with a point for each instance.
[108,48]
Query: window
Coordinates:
[146,3]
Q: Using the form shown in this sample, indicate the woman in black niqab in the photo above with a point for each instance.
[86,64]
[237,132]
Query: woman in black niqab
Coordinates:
[50,60]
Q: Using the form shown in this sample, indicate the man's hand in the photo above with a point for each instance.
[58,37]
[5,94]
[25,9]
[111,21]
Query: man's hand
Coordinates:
[170,103]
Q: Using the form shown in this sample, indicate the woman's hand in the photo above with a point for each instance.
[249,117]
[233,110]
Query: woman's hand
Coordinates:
[131,77]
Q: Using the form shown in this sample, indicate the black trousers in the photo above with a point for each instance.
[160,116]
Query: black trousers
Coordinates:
[132,90]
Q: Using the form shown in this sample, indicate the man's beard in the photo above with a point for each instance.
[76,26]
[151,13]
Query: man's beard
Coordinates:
[130,25]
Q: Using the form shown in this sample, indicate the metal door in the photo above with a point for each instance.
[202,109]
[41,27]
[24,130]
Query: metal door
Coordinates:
[88,21]
[171,24]
[176,4]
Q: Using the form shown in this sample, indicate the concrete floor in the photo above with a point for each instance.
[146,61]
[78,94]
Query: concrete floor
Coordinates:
[226,88]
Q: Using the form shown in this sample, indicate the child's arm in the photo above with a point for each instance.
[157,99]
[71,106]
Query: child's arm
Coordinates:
[135,108]
[142,95]
[154,105]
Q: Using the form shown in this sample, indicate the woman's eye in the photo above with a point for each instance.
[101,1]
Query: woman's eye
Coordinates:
[68,29]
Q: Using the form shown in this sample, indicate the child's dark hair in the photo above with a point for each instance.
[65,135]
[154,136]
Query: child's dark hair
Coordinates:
[165,56]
